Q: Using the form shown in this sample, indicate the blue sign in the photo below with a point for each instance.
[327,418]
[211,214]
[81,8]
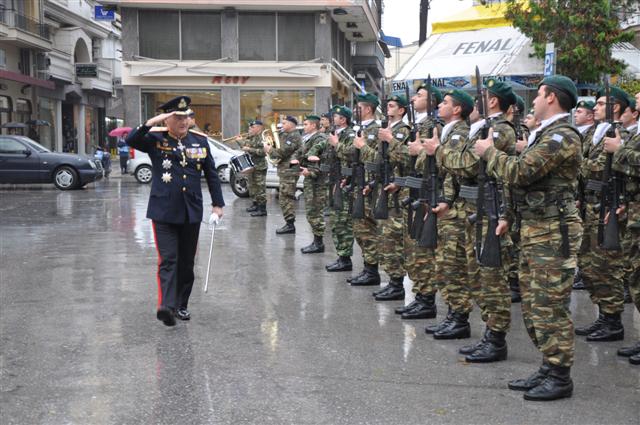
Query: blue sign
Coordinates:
[549,64]
[105,13]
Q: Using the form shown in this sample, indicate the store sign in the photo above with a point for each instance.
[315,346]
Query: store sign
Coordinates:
[105,13]
[86,70]
[229,80]
[484,46]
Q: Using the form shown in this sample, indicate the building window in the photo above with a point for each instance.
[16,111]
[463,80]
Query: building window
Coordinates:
[207,106]
[3,55]
[47,112]
[23,110]
[5,110]
[296,36]
[159,33]
[271,105]
[257,36]
[200,35]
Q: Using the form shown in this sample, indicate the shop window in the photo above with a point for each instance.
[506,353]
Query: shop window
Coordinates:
[46,112]
[200,35]
[23,110]
[5,109]
[207,106]
[257,36]
[159,34]
[271,105]
[296,36]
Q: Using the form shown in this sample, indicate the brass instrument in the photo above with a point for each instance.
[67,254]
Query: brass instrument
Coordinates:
[243,135]
[270,137]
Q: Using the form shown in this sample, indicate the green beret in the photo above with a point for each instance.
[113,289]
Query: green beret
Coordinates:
[586,104]
[342,110]
[632,103]
[400,100]
[434,91]
[563,84]
[462,97]
[502,90]
[369,98]
[312,118]
[617,93]
[520,103]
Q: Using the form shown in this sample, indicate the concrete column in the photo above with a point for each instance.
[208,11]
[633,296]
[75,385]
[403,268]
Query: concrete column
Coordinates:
[323,99]
[132,106]
[229,26]
[58,126]
[230,111]
[81,127]
[130,37]
[323,36]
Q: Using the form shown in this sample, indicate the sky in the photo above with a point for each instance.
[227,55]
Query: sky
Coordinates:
[401,17]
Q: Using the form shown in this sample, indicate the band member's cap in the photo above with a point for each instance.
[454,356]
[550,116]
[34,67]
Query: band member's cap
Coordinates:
[291,119]
[255,122]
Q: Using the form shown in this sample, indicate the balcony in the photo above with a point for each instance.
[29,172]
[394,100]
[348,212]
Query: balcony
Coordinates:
[24,31]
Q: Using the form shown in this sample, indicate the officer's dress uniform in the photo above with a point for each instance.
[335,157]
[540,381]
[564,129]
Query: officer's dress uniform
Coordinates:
[175,205]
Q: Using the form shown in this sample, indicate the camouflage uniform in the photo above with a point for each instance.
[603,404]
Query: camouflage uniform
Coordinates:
[257,179]
[602,270]
[543,179]
[451,274]
[488,285]
[315,189]
[289,143]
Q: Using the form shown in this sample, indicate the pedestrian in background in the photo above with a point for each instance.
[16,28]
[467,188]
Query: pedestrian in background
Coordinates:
[123,152]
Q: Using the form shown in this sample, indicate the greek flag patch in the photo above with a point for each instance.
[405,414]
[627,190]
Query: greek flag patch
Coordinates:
[557,138]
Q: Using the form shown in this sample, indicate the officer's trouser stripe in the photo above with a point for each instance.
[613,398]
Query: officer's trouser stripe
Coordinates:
[155,240]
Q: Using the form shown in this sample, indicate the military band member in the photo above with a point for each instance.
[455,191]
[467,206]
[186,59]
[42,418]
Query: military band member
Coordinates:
[602,270]
[315,190]
[178,159]
[543,180]
[257,179]
[627,161]
[290,141]
[325,123]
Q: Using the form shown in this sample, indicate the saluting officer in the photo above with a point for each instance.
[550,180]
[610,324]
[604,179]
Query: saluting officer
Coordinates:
[178,158]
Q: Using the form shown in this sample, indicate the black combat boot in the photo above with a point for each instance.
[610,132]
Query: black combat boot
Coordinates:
[425,309]
[252,208]
[260,212]
[493,349]
[578,282]
[288,228]
[586,330]
[627,294]
[532,381]
[368,277]
[393,291]
[612,330]
[468,349]
[342,264]
[556,385]
[405,308]
[350,278]
[514,286]
[457,328]
[635,359]
[431,329]
[316,246]
[629,351]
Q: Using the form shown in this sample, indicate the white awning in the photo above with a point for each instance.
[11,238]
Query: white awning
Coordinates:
[630,55]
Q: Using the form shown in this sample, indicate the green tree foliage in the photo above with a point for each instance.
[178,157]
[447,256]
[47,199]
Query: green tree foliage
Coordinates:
[583,32]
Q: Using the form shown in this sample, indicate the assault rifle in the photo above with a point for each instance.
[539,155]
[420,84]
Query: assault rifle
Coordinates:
[383,170]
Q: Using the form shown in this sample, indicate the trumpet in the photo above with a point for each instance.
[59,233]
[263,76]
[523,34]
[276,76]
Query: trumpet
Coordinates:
[270,137]
[243,135]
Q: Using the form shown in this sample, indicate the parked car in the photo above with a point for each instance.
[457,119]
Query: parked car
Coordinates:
[140,164]
[23,160]
[239,182]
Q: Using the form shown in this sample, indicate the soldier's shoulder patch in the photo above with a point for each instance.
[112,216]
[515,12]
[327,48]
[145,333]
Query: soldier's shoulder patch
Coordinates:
[455,137]
[557,137]
[556,141]
[371,136]
[288,142]
[496,134]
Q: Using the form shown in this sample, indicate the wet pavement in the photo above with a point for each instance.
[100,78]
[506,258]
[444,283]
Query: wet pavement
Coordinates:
[276,340]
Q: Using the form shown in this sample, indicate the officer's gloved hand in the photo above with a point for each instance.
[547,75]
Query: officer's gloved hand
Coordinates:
[214,219]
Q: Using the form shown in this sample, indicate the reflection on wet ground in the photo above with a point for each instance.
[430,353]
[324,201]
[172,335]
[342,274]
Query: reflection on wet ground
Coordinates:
[275,340]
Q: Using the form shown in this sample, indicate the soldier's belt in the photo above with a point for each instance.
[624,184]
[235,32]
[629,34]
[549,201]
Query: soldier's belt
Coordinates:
[549,211]
[594,185]
[346,171]
[539,199]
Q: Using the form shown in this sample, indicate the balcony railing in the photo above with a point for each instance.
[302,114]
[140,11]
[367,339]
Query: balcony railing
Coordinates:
[25,23]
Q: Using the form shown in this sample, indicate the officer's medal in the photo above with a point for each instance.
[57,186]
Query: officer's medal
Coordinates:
[166,177]
[166,164]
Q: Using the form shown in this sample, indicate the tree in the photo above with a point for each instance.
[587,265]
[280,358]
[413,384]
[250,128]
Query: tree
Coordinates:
[583,32]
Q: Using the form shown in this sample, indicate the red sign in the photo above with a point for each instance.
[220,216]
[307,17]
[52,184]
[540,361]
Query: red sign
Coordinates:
[229,80]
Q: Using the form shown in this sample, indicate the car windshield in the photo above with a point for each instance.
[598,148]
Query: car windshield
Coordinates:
[33,144]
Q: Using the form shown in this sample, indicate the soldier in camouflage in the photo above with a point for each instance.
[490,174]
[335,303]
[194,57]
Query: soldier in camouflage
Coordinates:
[257,179]
[290,141]
[543,179]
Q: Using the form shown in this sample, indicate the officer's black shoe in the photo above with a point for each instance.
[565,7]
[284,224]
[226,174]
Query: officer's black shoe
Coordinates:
[635,359]
[315,247]
[165,314]
[627,294]
[457,328]
[578,282]
[426,308]
[350,278]
[494,349]
[183,314]
[342,264]
[556,385]
[514,286]
[394,291]
[431,329]
[532,381]
[260,212]
[630,351]
[586,330]
[408,307]
[368,277]
[252,208]
[612,330]
[286,229]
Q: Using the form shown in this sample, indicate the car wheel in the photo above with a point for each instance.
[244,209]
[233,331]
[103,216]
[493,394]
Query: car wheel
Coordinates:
[221,173]
[66,178]
[239,185]
[143,174]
